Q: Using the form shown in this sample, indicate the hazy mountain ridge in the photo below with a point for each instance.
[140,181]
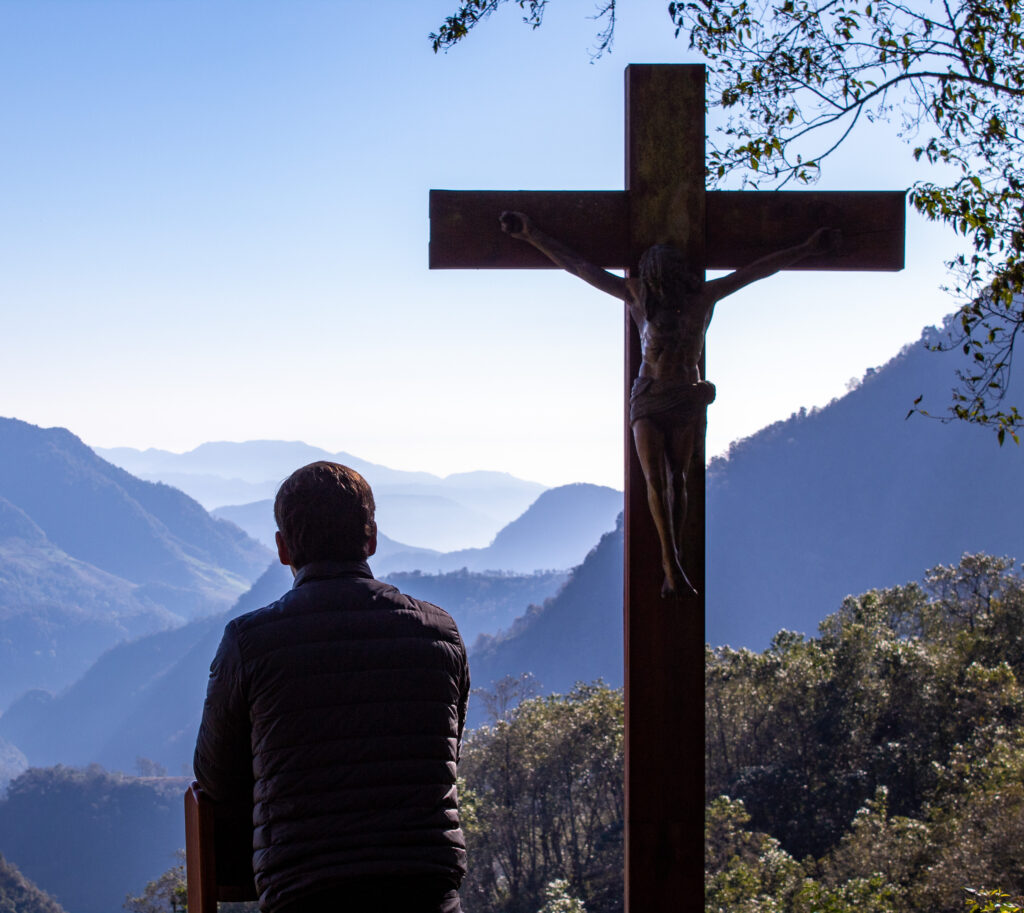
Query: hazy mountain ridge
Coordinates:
[482,603]
[417,507]
[555,532]
[145,698]
[573,636]
[828,503]
[58,614]
[90,556]
[96,512]
[257,519]
[854,496]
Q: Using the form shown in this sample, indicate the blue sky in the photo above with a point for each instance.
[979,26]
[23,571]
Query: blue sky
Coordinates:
[214,227]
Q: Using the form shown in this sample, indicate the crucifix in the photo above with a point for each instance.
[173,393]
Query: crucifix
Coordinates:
[664,204]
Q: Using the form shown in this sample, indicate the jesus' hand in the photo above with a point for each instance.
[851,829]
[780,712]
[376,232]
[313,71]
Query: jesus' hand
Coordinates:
[516,224]
[825,241]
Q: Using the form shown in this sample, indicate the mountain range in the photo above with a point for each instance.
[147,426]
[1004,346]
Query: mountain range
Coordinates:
[830,502]
[555,532]
[103,660]
[573,636]
[90,556]
[854,496]
[458,511]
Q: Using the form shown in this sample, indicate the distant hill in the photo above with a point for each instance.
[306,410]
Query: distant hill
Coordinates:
[90,555]
[557,531]
[146,533]
[458,510]
[482,602]
[88,837]
[853,496]
[19,895]
[145,698]
[142,698]
[574,636]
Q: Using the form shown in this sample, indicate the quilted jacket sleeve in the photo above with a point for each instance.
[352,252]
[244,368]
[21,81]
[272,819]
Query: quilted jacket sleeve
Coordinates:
[464,688]
[223,757]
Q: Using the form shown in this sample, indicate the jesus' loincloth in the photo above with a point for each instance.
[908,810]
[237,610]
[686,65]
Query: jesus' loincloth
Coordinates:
[669,400]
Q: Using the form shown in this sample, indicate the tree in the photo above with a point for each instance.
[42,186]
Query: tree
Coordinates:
[543,801]
[167,894]
[19,895]
[558,899]
[799,75]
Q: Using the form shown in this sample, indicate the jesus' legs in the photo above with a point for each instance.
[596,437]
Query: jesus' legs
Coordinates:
[657,461]
[679,454]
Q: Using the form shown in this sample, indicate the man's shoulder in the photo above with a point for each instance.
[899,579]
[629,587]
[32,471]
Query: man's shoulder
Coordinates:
[431,613]
[346,594]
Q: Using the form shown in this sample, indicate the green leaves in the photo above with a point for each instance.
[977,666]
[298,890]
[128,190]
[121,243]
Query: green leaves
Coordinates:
[887,755]
[545,786]
[471,12]
[797,76]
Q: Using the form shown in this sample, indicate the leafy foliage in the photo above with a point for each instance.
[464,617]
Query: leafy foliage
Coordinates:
[19,895]
[543,804]
[887,755]
[800,75]
[166,894]
[470,12]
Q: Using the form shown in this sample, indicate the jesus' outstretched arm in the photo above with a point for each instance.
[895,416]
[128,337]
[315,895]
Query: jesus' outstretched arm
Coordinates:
[518,225]
[823,241]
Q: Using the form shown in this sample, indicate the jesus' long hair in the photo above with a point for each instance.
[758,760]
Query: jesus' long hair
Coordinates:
[665,277]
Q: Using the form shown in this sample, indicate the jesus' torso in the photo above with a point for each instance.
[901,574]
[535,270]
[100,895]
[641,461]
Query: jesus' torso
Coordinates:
[671,335]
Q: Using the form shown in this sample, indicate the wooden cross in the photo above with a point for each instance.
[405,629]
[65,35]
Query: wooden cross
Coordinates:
[665,202]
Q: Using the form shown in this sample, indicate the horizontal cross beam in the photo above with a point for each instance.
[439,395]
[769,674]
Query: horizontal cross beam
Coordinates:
[740,227]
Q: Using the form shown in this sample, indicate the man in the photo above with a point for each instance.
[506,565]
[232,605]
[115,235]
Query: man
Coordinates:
[671,307]
[336,715]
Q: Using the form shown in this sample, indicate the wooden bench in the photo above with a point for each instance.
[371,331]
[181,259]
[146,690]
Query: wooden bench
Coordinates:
[218,854]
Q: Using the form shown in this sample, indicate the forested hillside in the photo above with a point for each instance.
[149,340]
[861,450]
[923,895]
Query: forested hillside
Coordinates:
[573,636]
[19,895]
[554,533]
[834,501]
[86,837]
[880,765]
[877,767]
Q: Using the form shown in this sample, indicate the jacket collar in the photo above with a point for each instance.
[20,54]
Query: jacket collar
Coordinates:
[321,570]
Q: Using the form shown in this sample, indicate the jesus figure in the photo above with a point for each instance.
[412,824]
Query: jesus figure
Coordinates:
[671,305]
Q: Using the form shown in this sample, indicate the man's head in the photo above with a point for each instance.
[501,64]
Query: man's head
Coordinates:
[324,511]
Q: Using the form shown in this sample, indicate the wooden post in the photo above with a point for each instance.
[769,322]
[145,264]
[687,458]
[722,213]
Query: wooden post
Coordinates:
[664,641]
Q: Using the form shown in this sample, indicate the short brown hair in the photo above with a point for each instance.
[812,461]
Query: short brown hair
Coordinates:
[325,511]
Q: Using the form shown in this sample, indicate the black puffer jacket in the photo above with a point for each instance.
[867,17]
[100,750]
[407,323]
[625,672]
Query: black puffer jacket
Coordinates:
[338,712]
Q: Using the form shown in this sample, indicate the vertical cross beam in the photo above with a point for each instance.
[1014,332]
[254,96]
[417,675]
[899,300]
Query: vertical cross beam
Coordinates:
[664,665]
